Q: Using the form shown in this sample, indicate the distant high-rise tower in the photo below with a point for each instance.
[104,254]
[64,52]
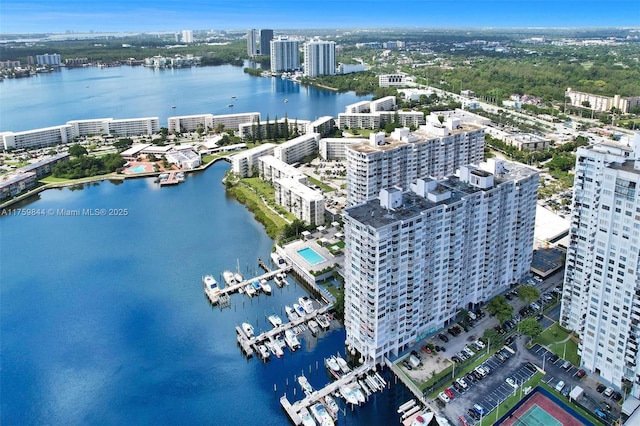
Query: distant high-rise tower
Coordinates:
[285,54]
[187,36]
[252,43]
[601,293]
[319,58]
[265,42]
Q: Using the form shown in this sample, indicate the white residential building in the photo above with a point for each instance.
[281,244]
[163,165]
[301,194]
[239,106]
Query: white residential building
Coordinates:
[258,129]
[296,149]
[270,168]
[601,103]
[134,126]
[38,138]
[601,293]
[413,259]
[335,148]
[189,123]
[187,36]
[319,58]
[285,54]
[434,150]
[184,158]
[98,126]
[322,125]
[233,121]
[244,162]
[48,59]
[305,203]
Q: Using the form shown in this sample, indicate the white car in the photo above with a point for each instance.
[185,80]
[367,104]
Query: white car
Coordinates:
[443,397]
[560,386]
[511,382]
[479,343]
[462,383]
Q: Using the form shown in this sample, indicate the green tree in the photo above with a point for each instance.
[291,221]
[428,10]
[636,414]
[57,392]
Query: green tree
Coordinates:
[77,150]
[528,293]
[530,327]
[268,129]
[285,129]
[492,337]
[499,307]
[338,306]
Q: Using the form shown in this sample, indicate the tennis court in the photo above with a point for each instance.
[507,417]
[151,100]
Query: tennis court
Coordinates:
[536,416]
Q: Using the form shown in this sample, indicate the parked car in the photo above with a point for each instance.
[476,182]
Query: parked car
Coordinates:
[511,382]
[580,374]
[443,397]
[560,386]
[601,414]
[457,387]
[600,388]
[470,377]
[443,337]
[462,383]
[480,343]
[565,392]
[554,358]
[449,393]
[608,392]
[473,414]
[479,409]
[617,396]
[566,365]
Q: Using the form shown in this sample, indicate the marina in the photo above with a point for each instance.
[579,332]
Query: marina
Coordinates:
[248,286]
[347,387]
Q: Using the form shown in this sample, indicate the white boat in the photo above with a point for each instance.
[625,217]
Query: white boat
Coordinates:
[275,349]
[264,352]
[280,282]
[304,384]
[210,283]
[343,364]
[299,310]
[265,286]
[275,320]
[313,326]
[291,339]
[307,420]
[322,415]
[237,277]
[372,384]
[348,395]
[323,322]
[180,176]
[358,392]
[250,290]
[228,278]
[248,329]
[306,303]
[332,364]
[332,406]
[291,313]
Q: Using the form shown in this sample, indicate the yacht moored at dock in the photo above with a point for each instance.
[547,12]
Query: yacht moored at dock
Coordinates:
[348,395]
[291,313]
[291,339]
[307,420]
[322,415]
[248,329]
[264,352]
[333,366]
[250,290]
[211,288]
[299,310]
[332,406]
[275,320]
[265,286]
[313,327]
[304,384]
[323,322]
[306,304]
[229,279]
[343,364]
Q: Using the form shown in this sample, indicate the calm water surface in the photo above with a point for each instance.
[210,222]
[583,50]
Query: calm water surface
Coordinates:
[128,92]
[103,319]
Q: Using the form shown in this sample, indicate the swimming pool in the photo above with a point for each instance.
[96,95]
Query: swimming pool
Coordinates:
[137,169]
[311,256]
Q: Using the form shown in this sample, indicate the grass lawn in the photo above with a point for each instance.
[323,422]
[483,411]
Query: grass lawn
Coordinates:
[320,184]
[250,193]
[553,338]
[51,179]
[460,371]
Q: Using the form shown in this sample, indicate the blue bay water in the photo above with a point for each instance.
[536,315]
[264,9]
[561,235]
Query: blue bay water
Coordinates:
[103,319]
[128,92]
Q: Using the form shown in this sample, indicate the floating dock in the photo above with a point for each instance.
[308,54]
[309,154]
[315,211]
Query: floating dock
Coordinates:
[171,180]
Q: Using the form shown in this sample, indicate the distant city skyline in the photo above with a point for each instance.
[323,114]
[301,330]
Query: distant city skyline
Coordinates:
[45,16]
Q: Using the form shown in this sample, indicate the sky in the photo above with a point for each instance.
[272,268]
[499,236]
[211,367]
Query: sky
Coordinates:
[57,16]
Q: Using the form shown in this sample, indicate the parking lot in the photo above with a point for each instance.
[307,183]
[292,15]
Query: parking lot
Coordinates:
[487,391]
[591,398]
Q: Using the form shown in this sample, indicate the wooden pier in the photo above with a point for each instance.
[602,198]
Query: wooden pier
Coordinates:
[171,180]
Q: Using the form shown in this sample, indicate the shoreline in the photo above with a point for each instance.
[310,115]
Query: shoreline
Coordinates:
[111,176]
